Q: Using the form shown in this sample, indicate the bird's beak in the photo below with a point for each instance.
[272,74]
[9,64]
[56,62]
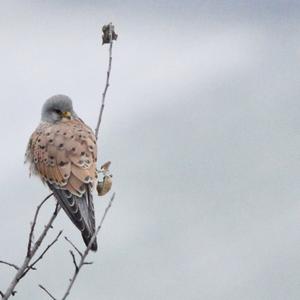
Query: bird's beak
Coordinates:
[66,114]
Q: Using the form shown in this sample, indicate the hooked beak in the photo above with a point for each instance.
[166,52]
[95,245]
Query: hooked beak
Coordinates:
[66,114]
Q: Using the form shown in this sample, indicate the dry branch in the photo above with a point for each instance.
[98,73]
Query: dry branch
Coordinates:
[77,250]
[74,260]
[47,292]
[34,223]
[83,255]
[108,33]
[87,250]
[31,266]
[108,36]
[9,264]
[25,267]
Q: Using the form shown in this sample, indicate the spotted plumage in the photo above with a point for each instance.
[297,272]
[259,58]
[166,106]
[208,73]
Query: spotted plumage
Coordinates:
[63,152]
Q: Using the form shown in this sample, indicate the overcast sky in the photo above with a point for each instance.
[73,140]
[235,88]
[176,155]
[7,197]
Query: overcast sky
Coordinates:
[201,125]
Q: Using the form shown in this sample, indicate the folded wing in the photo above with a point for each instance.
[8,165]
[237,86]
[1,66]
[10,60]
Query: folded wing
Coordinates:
[64,155]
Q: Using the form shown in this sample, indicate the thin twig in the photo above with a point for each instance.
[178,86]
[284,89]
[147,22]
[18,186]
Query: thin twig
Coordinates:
[10,290]
[31,266]
[34,223]
[74,261]
[47,292]
[88,248]
[107,81]
[77,250]
[9,264]
[33,247]
[84,255]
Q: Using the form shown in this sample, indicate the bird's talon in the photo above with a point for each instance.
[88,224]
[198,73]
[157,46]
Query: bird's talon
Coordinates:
[103,187]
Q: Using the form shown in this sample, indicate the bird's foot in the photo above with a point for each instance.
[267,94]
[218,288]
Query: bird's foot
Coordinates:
[105,182]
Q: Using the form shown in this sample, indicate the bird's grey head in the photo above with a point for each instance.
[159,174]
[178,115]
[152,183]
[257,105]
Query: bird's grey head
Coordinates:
[57,108]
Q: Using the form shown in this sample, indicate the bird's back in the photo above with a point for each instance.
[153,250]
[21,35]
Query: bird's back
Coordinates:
[64,155]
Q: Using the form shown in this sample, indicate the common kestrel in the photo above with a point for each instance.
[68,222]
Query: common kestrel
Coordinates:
[62,151]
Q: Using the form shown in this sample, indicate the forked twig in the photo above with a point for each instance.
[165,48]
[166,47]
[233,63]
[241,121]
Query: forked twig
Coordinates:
[88,248]
[31,266]
[30,240]
[77,250]
[32,250]
[108,36]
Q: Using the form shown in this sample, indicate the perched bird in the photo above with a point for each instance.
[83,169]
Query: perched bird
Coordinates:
[62,151]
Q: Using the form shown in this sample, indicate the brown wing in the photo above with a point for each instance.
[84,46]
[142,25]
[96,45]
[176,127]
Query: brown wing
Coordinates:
[64,155]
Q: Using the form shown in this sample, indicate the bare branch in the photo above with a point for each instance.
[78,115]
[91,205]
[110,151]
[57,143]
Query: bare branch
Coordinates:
[110,37]
[47,292]
[9,264]
[77,250]
[30,240]
[10,290]
[88,248]
[31,266]
[74,261]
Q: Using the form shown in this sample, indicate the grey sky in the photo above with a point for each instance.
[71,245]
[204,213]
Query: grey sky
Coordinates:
[202,128]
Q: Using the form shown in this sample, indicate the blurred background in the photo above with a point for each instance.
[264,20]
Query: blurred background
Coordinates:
[202,127]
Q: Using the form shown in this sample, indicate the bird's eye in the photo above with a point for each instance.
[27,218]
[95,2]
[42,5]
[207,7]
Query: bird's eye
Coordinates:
[57,111]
